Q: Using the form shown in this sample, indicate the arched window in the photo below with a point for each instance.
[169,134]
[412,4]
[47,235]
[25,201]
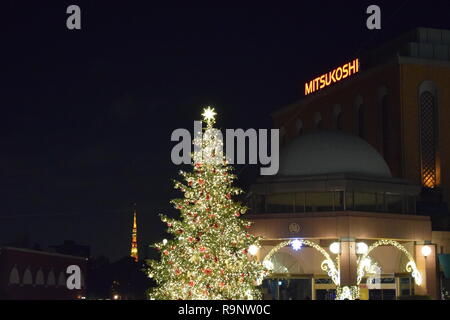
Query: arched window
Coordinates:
[83,283]
[61,279]
[337,117]
[40,278]
[14,277]
[51,280]
[27,277]
[428,120]
[318,121]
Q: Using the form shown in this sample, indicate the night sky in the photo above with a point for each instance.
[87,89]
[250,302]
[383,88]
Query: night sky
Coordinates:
[86,116]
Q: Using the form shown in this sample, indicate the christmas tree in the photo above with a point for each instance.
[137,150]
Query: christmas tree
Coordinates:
[211,255]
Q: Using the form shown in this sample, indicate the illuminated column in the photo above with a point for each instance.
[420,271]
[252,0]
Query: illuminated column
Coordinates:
[348,266]
[426,264]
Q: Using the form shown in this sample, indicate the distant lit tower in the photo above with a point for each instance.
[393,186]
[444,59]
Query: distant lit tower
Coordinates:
[134,248]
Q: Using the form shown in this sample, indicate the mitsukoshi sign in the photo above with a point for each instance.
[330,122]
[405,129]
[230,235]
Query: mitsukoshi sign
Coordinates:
[332,77]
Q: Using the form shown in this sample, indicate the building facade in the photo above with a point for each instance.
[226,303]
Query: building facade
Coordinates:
[365,163]
[38,275]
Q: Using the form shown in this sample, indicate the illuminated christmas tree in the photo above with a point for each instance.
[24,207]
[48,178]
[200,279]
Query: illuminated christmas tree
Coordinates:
[211,255]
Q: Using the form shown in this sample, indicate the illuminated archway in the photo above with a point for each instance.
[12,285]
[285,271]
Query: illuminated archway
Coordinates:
[364,261]
[327,265]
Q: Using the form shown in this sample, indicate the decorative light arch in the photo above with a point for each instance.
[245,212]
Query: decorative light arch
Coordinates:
[327,265]
[410,266]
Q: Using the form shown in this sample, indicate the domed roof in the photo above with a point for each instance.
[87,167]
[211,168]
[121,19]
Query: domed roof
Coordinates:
[328,152]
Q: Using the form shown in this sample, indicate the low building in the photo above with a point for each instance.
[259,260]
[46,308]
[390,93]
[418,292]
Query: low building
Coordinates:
[38,275]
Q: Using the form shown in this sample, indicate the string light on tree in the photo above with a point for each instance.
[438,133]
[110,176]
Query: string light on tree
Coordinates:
[212,255]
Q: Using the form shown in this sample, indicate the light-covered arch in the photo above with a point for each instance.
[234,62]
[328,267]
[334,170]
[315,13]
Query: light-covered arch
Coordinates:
[327,265]
[410,266]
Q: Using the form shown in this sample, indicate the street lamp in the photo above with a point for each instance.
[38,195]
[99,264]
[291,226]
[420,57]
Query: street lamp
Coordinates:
[361,248]
[426,251]
[335,247]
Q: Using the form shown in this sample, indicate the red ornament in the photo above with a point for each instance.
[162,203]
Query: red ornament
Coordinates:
[202,249]
[237,214]
[177,272]
[228,196]
[208,197]
[216,259]
[207,271]
[190,239]
[201,181]
[222,284]
[191,283]
[166,252]
[180,231]
[190,183]
[216,226]
[244,251]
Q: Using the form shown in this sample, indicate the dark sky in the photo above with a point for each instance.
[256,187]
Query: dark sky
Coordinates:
[86,116]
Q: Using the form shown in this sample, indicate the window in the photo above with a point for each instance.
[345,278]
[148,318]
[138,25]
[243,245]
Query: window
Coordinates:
[300,202]
[27,277]
[339,200]
[428,137]
[51,281]
[280,203]
[365,201]
[394,203]
[14,277]
[319,201]
[40,278]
